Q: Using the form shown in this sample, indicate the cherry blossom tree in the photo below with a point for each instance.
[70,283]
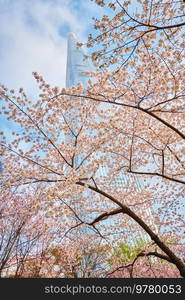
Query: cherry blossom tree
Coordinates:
[129,119]
[138,261]
[64,186]
[21,231]
[77,257]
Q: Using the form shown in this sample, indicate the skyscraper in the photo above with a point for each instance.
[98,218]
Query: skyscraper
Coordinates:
[76,66]
[76,63]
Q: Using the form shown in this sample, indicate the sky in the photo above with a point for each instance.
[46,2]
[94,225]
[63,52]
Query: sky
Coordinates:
[33,37]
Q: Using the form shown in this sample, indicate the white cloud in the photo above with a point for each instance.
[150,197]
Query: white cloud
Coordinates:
[33,38]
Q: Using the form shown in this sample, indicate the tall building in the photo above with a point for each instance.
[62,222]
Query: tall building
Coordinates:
[76,66]
[76,63]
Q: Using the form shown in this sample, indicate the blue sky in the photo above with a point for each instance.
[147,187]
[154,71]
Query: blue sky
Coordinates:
[33,37]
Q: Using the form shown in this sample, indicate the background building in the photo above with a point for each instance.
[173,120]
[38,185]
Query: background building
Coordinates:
[77,64]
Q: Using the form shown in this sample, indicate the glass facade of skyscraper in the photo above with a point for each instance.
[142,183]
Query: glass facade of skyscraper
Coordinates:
[76,66]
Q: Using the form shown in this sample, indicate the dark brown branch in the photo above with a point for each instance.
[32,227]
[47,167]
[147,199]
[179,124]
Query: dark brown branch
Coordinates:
[29,159]
[105,215]
[141,254]
[144,110]
[177,158]
[38,128]
[154,27]
[158,174]
[126,210]
[162,171]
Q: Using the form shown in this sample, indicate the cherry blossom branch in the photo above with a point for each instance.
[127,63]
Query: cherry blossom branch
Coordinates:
[80,220]
[38,128]
[157,174]
[144,110]
[126,210]
[29,159]
[141,254]
[154,27]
